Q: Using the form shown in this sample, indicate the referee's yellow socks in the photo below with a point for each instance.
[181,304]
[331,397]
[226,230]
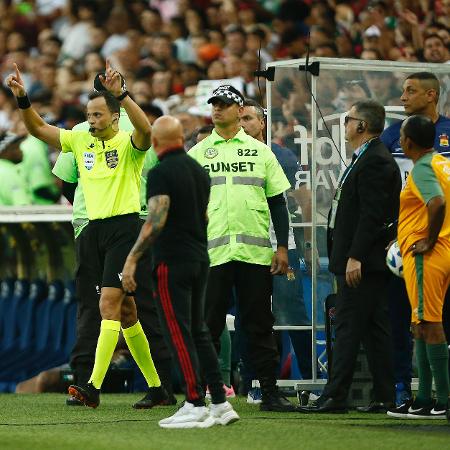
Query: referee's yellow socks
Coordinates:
[106,344]
[140,350]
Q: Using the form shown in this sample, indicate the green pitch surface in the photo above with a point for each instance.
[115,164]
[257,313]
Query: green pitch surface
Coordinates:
[43,421]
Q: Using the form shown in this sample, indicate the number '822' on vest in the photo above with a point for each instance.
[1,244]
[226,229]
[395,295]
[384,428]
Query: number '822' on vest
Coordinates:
[244,172]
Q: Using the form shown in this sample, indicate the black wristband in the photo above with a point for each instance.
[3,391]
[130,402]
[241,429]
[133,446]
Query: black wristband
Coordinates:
[23,102]
[122,95]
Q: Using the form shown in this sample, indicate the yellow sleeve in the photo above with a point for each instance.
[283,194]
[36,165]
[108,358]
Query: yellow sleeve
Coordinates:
[66,137]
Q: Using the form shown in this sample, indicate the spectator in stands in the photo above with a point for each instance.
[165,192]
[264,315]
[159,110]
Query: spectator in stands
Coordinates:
[372,54]
[161,89]
[257,40]
[141,91]
[435,50]
[77,38]
[327,50]
[216,70]
[117,25]
[235,40]
[150,21]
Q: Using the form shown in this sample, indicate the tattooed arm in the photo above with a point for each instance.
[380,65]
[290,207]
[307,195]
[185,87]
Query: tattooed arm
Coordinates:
[158,208]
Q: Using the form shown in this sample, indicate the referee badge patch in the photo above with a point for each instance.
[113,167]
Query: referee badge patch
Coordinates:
[211,153]
[112,158]
[89,160]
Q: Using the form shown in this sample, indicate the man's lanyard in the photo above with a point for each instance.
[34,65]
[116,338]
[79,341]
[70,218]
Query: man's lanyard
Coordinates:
[337,195]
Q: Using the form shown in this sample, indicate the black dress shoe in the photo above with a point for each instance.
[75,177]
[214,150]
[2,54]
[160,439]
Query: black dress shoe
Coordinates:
[375,407]
[329,405]
[275,401]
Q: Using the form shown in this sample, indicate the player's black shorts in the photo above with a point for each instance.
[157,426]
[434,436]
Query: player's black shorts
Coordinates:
[103,247]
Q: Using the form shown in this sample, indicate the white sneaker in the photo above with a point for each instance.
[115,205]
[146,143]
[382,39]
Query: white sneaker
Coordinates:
[189,416]
[223,413]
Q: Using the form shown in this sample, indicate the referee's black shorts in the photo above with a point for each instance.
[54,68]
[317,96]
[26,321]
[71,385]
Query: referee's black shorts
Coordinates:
[104,247]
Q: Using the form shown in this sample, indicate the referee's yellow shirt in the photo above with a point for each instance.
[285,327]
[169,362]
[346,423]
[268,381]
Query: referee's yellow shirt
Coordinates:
[110,172]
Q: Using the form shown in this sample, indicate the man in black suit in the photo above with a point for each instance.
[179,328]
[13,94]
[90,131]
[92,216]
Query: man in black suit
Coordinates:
[360,222]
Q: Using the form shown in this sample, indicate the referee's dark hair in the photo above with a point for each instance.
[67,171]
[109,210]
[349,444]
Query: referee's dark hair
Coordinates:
[421,130]
[111,102]
[428,80]
[372,113]
[258,108]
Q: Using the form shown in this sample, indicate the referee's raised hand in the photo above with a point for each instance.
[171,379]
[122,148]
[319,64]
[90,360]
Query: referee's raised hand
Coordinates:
[112,80]
[15,83]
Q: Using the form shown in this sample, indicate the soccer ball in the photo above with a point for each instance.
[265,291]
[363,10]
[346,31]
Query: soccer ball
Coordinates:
[394,260]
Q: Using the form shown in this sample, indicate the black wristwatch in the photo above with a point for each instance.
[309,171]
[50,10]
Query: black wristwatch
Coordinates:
[122,95]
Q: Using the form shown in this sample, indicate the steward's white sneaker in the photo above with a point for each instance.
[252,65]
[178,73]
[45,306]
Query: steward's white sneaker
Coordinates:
[223,413]
[189,416]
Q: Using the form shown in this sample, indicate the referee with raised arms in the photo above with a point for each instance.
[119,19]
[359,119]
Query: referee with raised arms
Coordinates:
[88,279]
[110,163]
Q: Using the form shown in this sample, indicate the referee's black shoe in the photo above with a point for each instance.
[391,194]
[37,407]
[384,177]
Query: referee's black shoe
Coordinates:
[273,400]
[88,394]
[73,401]
[156,396]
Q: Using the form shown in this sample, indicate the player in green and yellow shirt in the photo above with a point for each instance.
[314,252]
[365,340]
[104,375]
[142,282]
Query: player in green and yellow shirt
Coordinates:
[424,239]
[110,163]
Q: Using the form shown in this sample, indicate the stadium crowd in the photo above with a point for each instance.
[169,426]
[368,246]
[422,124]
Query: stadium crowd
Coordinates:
[165,48]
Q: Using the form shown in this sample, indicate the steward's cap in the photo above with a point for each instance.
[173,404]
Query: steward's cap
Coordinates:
[228,94]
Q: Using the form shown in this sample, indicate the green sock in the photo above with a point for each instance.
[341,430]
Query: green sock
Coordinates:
[106,344]
[225,356]
[438,357]
[425,377]
[140,350]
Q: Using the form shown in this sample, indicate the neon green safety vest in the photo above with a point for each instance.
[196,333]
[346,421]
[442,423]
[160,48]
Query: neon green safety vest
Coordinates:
[244,172]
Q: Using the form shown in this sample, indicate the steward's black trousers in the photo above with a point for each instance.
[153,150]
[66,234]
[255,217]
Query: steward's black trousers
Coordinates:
[253,287]
[362,315]
[179,289]
[88,284]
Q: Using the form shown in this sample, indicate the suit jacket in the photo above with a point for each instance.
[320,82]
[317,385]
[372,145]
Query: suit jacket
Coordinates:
[369,202]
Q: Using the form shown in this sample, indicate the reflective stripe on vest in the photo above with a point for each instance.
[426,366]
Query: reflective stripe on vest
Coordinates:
[249,181]
[217,242]
[218,180]
[253,240]
[240,239]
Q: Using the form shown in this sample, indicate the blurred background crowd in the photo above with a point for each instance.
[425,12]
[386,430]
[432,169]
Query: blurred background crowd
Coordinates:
[166,49]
